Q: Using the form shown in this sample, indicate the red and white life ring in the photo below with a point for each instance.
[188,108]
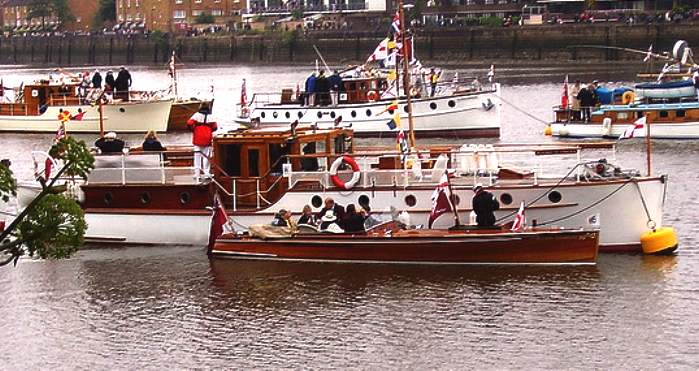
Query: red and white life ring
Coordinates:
[372,96]
[355,175]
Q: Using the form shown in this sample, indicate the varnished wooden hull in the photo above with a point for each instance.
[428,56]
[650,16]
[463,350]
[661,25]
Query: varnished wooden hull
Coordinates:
[423,247]
[181,112]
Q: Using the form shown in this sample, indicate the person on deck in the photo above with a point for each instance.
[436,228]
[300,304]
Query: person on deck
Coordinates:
[484,205]
[311,90]
[122,84]
[309,163]
[97,80]
[283,219]
[202,137]
[575,102]
[330,204]
[434,79]
[307,217]
[109,81]
[110,143]
[329,223]
[353,221]
[322,89]
[151,142]
[335,82]
[587,101]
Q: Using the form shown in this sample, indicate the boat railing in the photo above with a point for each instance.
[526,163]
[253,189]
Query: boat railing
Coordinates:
[138,168]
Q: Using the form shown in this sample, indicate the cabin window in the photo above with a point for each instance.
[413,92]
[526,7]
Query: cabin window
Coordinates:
[622,116]
[506,198]
[353,113]
[639,114]
[316,201]
[663,114]
[340,144]
[405,108]
[679,113]
[555,197]
[368,113]
[332,114]
[320,114]
[433,105]
[262,115]
[277,152]
[253,162]
[230,159]
[451,104]
[287,115]
[300,114]
[352,86]
[410,200]
[275,114]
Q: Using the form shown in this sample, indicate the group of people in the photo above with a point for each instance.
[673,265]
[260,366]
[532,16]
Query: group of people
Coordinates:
[321,90]
[332,218]
[583,98]
[116,87]
[111,143]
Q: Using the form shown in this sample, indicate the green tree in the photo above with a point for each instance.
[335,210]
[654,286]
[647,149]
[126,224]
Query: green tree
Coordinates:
[52,225]
[204,18]
[105,13]
[50,8]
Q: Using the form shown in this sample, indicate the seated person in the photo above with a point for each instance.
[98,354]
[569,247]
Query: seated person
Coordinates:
[283,219]
[110,143]
[330,204]
[308,217]
[354,221]
[151,142]
[328,223]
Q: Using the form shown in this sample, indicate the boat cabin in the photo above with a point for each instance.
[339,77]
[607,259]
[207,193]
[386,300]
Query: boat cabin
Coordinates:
[250,164]
[37,96]
[362,90]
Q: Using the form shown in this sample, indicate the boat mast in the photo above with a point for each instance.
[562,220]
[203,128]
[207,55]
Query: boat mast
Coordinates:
[406,75]
[648,146]
[173,70]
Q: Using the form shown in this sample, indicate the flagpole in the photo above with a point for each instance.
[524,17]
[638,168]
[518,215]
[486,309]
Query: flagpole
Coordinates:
[648,146]
[406,76]
[101,112]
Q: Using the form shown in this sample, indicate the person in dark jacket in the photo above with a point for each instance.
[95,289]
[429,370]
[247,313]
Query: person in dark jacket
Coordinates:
[122,84]
[330,204]
[353,221]
[335,82]
[587,101]
[110,143]
[309,163]
[311,90]
[307,217]
[151,143]
[97,80]
[322,89]
[484,205]
[109,81]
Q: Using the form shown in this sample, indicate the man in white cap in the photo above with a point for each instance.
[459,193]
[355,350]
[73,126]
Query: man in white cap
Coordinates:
[110,143]
[484,205]
[329,223]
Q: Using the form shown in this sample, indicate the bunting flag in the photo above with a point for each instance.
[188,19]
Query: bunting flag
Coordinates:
[390,93]
[392,124]
[2,88]
[564,94]
[219,222]
[391,60]
[391,107]
[491,73]
[630,131]
[380,53]
[171,66]
[79,116]
[402,144]
[520,220]
[395,24]
[440,199]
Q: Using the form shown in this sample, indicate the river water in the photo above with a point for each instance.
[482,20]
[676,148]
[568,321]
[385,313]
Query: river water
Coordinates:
[164,307]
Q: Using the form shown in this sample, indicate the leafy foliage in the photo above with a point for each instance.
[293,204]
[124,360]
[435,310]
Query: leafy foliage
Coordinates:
[106,12]
[204,18]
[52,225]
[50,8]
[8,185]
[54,228]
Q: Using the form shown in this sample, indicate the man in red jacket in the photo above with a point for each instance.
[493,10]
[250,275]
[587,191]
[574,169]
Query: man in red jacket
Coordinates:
[202,136]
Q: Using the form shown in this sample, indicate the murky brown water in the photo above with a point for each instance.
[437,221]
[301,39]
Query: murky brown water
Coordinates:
[173,308]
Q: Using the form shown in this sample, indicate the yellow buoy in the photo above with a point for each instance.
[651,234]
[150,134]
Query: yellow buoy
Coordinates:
[659,241]
[548,131]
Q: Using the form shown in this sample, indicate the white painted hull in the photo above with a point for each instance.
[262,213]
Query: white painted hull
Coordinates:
[687,130]
[479,114]
[622,218]
[118,117]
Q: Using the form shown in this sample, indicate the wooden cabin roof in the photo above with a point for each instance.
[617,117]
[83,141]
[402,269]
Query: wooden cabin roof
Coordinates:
[281,134]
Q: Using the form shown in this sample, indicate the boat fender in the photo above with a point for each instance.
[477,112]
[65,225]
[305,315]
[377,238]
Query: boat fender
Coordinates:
[548,131]
[563,131]
[659,241]
[372,96]
[606,127]
[336,179]
[628,98]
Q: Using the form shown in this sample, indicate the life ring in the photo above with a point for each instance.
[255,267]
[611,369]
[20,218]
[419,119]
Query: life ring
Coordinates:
[336,165]
[372,96]
[628,97]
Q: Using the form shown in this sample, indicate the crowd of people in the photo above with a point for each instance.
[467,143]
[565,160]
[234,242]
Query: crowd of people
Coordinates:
[114,87]
[321,90]
[332,218]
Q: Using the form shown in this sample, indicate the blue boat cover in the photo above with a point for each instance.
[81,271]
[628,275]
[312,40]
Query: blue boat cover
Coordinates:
[666,85]
[606,96]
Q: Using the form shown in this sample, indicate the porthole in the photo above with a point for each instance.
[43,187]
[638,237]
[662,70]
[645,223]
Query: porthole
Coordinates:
[262,115]
[319,114]
[185,198]
[555,197]
[275,114]
[455,199]
[108,198]
[145,198]
[433,105]
[122,109]
[368,113]
[410,200]
[405,108]
[287,115]
[300,114]
[316,201]
[390,111]
[363,201]
[353,113]
[506,198]
[451,104]
[332,115]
